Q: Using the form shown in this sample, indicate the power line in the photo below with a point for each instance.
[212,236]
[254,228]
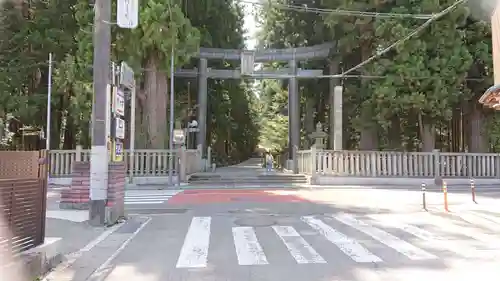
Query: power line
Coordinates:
[340,12]
[347,76]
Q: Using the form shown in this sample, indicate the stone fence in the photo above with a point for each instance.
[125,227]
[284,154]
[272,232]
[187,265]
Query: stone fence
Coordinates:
[143,165]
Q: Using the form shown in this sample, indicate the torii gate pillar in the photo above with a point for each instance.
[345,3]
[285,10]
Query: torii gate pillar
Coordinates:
[202,104]
[293,116]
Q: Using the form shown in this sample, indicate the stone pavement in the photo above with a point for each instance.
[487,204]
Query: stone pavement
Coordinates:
[354,235]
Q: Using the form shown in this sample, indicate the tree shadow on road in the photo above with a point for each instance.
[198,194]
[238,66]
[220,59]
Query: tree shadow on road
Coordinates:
[162,240]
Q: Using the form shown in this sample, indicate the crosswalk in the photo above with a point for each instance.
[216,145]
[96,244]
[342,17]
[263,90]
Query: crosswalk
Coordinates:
[376,238]
[146,197]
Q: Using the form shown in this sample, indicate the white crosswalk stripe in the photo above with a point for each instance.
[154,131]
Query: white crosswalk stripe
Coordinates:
[392,241]
[481,219]
[194,251]
[301,251]
[256,246]
[140,197]
[347,245]
[429,239]
[248,249]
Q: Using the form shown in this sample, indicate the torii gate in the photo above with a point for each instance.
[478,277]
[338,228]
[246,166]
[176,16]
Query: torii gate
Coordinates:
[248,58]
[491,98]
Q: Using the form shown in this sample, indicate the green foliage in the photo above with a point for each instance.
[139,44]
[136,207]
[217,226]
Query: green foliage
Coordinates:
[423,81]
[65,29]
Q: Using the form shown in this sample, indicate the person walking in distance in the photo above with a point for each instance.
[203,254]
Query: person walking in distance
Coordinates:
[269,162]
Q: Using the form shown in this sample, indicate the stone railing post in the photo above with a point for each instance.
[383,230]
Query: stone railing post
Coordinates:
[199,162]
[209,159]
[183,164]
[78,157]
[497,166]
[314,160]
[437,167]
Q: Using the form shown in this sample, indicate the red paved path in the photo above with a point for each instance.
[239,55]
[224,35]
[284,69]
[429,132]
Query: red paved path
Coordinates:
[232,196]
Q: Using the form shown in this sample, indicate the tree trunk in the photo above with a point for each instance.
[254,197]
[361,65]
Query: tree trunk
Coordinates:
[427,134]
[395,133]
[156,90]
[478,140]
[368,139]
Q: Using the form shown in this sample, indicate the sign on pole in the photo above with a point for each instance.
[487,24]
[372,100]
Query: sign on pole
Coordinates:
[119,128]
[127,13]
[119,103]
[179,137]
[127,78]
[117,151]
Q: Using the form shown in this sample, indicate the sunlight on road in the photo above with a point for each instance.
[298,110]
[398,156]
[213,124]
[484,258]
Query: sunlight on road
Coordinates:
[9,270]
[451,270]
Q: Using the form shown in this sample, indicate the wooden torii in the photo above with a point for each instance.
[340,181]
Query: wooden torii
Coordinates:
[491,98]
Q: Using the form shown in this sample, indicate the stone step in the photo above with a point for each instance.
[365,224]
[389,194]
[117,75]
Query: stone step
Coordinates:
[245,180]
[242,178]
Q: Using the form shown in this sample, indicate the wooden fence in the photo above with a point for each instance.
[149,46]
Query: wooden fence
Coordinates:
[399,164]
[23,193]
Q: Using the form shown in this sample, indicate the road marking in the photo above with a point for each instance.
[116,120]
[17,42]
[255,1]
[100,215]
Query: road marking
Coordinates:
[405,248]
[100,273]
[480,220]
[148,197]
[143,202]
[347,245]
[70,259]
[301,251]
[447,226]
[488,217]
[430,239]
[248,249]
[194,251]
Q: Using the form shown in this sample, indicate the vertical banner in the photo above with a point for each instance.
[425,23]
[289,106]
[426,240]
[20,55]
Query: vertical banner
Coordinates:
[495,29]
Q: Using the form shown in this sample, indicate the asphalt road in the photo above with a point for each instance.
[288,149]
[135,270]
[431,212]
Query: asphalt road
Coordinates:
[314,236]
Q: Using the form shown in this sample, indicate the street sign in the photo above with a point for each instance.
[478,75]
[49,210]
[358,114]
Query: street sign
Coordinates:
[127,13]
[118,151]
[179,136]
[119,103]
[127,76]
[119,128]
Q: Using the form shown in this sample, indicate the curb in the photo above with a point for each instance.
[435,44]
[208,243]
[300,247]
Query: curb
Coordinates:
[38,261]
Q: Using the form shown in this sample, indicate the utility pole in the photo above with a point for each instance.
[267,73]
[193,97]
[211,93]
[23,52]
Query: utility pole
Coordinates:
[49,104]
[101,72]
[171,134]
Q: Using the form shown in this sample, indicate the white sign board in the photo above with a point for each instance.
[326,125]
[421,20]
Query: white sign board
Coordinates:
[119,103]
[179,137]
[127,13]
[127,76]
[119,128]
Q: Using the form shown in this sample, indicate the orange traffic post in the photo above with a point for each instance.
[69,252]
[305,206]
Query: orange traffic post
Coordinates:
[445,194]
[473,190]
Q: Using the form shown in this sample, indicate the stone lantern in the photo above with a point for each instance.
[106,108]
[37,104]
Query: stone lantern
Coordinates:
[318,136]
